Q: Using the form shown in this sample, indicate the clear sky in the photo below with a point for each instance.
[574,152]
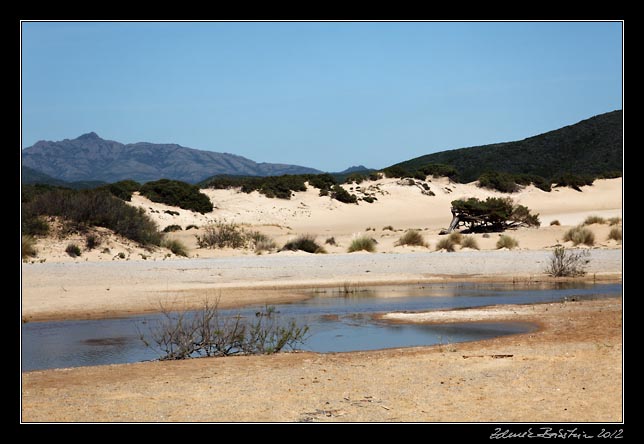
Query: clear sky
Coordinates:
[326,95]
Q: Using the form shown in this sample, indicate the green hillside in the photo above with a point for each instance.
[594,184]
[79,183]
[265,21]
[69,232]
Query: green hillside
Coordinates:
[592,147]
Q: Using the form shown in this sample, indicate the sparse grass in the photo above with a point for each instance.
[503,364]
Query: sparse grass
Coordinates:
[614,221]
[175,246]
[446,244]
[304,242]
[615,234]
[261,242]
[28,247]
[456,237]
[92,241]
[171,228]
[331,241]
[555,222]
[362,243]
[580,235]
[388,228]
[567,263]
[469,242]
[73,250]
[506,241]
[411,237]
[594,220]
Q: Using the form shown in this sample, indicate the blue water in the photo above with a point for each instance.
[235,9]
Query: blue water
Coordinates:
[338,321]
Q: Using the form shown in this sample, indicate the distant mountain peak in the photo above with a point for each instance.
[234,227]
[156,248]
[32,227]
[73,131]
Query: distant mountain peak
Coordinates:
[354,168]
[89,136]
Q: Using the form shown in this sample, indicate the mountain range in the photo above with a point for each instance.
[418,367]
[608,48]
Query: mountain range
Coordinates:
[91,158]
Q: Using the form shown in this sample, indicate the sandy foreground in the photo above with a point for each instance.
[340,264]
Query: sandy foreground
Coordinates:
[568,371]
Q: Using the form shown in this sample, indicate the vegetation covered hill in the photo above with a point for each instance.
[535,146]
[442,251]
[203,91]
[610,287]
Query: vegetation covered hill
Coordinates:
[592,147]
[32,176]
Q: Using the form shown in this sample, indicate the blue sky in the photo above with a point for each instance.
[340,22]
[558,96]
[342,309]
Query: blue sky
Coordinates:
[326,95]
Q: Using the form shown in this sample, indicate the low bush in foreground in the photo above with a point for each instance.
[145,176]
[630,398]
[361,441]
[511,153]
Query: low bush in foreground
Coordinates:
[362,243]
[413,238]
[175,246]
[222,235]
[580,235]
[506,242]
[305,242]
[615,234]
[28,247]
[567,263]
[92,241]
[73,250]
[206,332]
[469,242]
[446,244]
[261,242]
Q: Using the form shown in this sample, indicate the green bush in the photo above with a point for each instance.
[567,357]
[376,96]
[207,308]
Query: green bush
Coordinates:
[171,228]
[615,234]
[305,242]
[495,213]
[87,208]
[92,241]
[28,247]
[175,246]
[573,181]
[171,212]
[177,194]
[330,241]
[506,242]
[590,220]
[34,225]
[411,237]
[446,244]
[339,193]
[388,228]
[469,242]
[73,250]
[503,182]
[191,226]
[580,235]
[124,189]
[555,222]
[362,243]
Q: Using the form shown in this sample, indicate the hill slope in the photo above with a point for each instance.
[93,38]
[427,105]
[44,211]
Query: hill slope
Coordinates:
[90,157]
[592,146]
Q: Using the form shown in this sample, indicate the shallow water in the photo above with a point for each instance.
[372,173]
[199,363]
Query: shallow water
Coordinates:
[339,320]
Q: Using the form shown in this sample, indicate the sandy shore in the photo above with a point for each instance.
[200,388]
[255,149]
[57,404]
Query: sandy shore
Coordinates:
[103,289]
[568,371]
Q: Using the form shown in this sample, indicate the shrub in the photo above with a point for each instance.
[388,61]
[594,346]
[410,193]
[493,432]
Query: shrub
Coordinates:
[495,213]
[594,220]
[362,243]
[170,212]
[171,228]
[206,332]
[469,242]
[555,222]
[178,194]
[28,247]
[615,234]
[34,225]
[580,235]
[175,246]
[614,221]
[503,182]
[446,244]
[261,242]
[92,241]
[411,237]
[567,263]
[121,255]
[573,181]
[106,251]
[339,193]
[222,235]
[388,228]
[506,242]
[73,250]
[369,199]
[330,241]
[305,242]
[191,226]
[456,237]
[124,189]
